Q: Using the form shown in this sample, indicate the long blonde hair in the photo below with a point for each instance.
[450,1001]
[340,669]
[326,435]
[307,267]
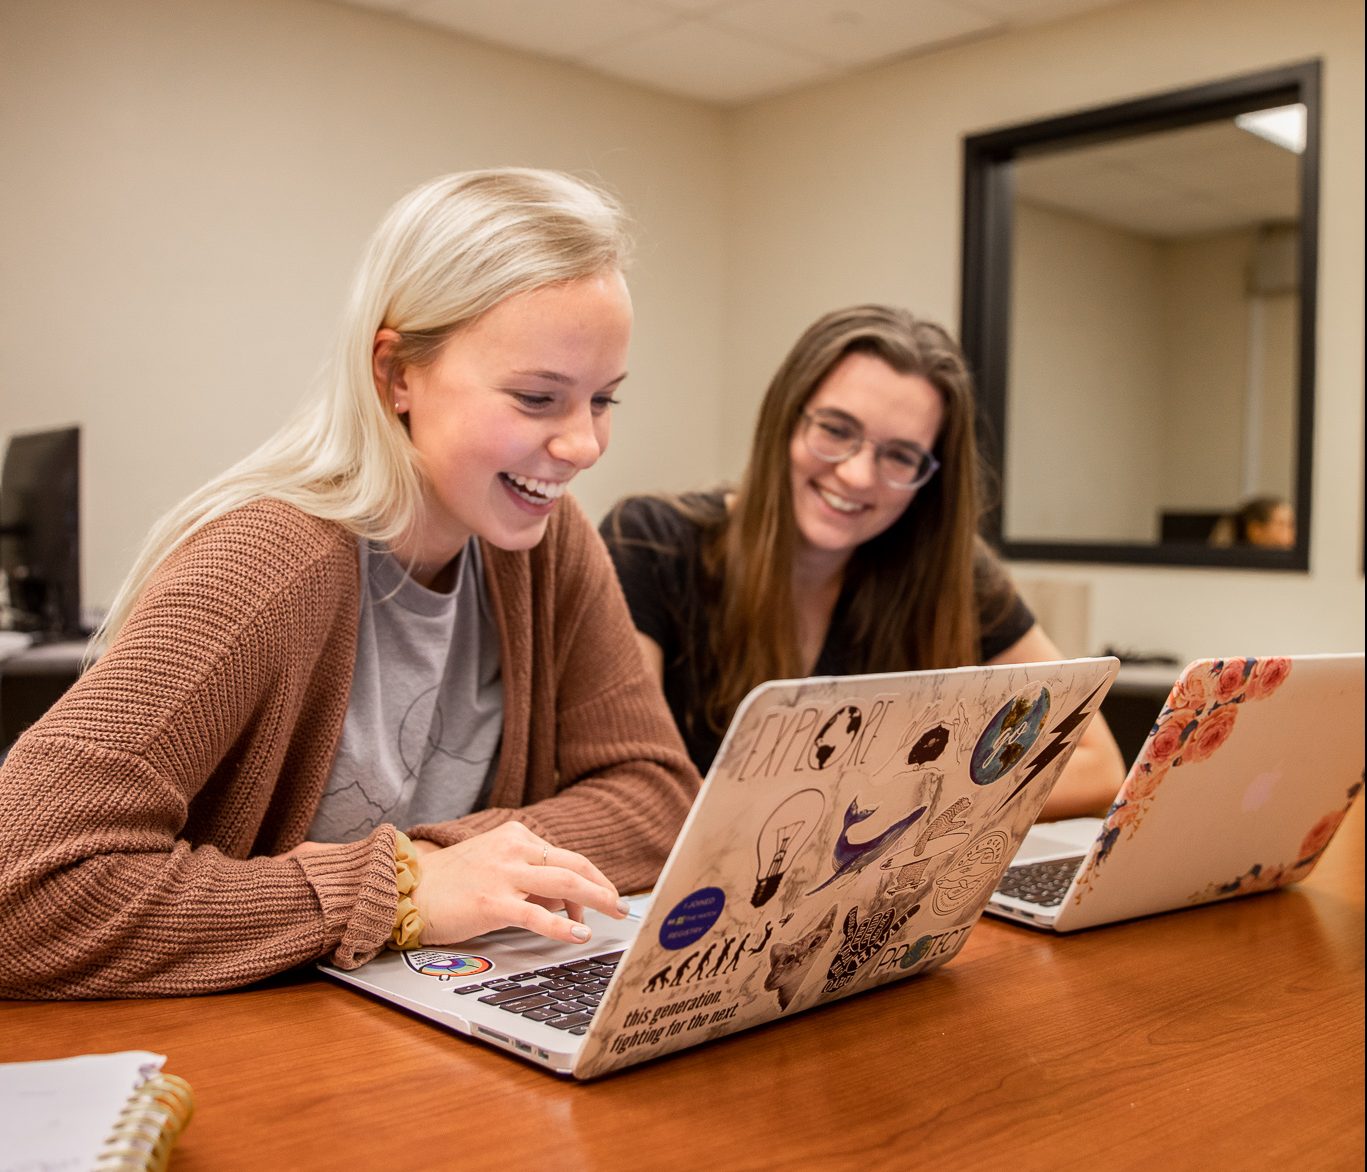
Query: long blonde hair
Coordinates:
[445,254]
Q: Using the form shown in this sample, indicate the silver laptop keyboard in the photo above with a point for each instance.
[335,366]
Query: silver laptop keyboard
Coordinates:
[563,996]
[1043,883]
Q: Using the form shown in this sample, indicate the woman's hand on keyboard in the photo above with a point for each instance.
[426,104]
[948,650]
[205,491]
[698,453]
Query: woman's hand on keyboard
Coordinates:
[506,877]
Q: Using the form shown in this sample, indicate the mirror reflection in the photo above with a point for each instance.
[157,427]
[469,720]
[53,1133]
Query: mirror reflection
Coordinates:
[1154,295]
[1139,308]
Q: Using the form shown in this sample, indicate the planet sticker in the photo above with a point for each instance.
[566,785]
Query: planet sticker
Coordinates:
[1010,735]
[432,962]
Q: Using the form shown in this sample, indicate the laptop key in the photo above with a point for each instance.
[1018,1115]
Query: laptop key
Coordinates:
[1045,883]
[568,1023]
[529,1005]
[505,996]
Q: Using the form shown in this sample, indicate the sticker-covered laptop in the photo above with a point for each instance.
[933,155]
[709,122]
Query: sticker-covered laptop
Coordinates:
[848,834]
[1249,768]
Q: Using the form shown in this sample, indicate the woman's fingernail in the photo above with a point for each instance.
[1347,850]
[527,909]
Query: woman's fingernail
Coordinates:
[623,906]
[580,932]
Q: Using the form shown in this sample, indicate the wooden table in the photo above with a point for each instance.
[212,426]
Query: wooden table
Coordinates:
[1226,1037]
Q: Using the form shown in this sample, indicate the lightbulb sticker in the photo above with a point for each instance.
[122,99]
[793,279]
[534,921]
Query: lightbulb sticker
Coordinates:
[781,837]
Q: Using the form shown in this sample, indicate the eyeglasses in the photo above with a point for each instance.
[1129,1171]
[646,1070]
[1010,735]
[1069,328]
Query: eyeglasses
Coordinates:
[834,437]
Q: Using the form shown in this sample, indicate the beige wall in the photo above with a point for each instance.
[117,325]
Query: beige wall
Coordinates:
[1086,357]
[851,191]
[1206,370]
[1143,346]
[188,184]
[1230,366]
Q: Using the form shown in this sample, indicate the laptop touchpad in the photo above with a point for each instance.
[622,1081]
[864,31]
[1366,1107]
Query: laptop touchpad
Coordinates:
[1046,840]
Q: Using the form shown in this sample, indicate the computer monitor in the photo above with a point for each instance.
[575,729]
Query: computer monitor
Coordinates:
[40,532]
[1189,525]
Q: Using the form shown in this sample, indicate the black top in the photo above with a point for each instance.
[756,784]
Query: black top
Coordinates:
[658,555]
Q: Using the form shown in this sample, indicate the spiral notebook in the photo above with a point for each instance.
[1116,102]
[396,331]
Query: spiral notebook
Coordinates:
[106,1112]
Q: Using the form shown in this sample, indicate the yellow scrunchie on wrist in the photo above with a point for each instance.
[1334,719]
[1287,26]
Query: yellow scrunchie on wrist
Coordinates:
[407,923]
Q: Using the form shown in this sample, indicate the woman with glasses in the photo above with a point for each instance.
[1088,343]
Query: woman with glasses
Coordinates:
[850,544]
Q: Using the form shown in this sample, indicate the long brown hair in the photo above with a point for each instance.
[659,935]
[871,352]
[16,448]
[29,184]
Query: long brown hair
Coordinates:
[911,588]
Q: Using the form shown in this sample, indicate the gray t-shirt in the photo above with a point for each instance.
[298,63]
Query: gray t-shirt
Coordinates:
[425,716]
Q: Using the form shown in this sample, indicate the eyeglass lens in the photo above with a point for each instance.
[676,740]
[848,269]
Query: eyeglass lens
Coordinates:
[836,437]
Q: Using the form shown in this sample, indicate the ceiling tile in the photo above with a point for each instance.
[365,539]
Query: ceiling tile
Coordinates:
[726,51]
[852,31]
[1026,12]
[552,28]
[1170,184]
[687,7]
[380,5]
[698,61]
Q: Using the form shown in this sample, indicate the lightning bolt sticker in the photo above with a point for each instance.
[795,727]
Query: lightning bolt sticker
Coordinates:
[1060,732]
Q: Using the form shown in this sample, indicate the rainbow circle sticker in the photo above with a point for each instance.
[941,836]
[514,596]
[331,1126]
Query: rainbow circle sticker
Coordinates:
[433,963]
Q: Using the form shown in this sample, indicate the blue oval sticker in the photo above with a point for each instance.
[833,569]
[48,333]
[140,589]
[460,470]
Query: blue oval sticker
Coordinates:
[692,917]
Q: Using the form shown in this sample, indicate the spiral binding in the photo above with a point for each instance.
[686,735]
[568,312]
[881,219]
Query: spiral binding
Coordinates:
[148,1127]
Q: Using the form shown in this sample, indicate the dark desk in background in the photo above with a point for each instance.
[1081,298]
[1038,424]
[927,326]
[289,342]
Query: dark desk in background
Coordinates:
[31,681]
[1134,701]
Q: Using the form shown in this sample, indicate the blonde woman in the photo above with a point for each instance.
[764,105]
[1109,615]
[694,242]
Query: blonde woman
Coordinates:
[390,615]
[849,546]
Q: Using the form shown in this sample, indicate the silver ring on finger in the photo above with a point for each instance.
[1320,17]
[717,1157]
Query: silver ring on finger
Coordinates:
[545,850]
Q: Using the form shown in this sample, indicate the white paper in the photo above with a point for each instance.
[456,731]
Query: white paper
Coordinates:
[57,1115]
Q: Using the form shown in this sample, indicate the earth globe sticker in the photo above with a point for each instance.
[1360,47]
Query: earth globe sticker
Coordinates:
[1010,735]
[835,736]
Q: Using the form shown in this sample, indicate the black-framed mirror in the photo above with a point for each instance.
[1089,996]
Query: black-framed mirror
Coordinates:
[1139,311]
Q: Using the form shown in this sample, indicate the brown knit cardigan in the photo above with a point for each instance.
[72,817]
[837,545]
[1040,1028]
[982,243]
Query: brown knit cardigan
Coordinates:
[141,817]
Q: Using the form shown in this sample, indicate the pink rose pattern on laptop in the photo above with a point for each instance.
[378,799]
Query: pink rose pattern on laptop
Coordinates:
[1197,718]
[1263,878]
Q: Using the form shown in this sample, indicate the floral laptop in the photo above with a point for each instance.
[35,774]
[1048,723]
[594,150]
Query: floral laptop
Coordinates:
[1249,768]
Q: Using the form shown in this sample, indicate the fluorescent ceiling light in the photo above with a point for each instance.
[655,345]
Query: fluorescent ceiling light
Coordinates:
[1283,125]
